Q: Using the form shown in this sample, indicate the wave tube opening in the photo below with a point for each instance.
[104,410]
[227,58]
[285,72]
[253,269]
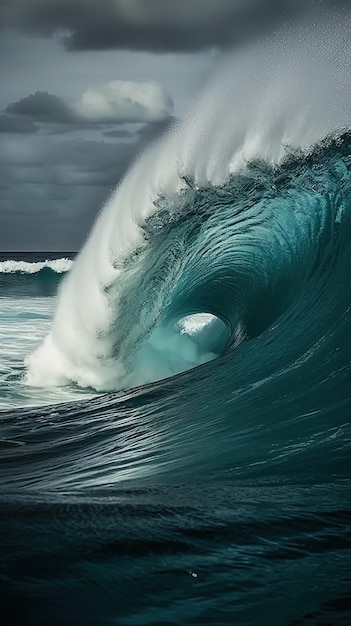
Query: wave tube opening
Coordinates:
[179,346]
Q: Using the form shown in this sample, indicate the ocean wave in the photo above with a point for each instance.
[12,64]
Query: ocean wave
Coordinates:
[59,266]
[226,215]
[245,253]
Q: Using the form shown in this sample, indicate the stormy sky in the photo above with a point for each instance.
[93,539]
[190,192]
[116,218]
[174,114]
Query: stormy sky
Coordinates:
[86,84]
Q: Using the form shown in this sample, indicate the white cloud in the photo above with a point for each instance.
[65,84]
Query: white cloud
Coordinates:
[124,100]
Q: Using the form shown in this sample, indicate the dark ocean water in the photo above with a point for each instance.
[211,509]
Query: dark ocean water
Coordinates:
[222,494]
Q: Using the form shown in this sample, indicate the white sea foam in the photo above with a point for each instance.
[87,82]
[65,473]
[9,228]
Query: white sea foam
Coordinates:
[24,322]
[292,90]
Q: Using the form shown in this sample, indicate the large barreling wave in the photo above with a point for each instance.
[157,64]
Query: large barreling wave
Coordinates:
[240,214]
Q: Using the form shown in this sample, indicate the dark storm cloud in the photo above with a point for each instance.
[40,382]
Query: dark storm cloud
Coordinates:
[42,107]
[154,25]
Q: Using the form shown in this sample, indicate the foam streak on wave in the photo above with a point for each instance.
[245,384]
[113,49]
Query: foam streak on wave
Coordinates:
[116,321]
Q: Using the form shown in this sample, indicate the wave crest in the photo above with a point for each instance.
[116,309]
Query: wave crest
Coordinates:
[59,266]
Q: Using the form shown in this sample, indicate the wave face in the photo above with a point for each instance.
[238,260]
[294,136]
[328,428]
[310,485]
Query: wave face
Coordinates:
[218,274]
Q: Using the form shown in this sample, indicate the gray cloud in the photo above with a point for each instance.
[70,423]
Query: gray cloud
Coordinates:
[115,102]
[123,101]
[42,107]
[155,25]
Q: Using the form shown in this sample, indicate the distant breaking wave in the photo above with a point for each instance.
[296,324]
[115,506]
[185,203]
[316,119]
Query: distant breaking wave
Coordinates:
[60,266]
[23,278]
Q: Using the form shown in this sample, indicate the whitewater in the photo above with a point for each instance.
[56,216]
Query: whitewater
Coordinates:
[175,424]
